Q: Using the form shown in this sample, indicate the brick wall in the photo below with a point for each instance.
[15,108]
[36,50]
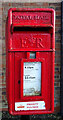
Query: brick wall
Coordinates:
[57,7]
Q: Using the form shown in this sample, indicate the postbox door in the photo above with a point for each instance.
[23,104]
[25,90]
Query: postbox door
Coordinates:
[45,83]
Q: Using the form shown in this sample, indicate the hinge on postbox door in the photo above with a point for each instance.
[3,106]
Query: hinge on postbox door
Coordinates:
[11,30]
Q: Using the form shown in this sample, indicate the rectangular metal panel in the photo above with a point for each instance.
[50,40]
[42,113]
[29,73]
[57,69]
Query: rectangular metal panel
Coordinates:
[31,18]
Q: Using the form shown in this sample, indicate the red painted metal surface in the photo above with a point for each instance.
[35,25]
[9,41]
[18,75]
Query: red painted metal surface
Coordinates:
[30,30]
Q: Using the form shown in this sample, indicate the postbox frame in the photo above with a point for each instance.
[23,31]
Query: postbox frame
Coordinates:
[10,52]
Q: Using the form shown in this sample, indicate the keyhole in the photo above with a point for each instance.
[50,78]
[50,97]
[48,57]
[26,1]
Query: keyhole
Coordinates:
[19,82]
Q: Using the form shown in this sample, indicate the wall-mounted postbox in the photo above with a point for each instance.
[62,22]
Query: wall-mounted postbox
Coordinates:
[30,50]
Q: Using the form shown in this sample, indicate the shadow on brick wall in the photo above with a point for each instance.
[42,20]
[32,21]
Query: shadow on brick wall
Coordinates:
[6,116]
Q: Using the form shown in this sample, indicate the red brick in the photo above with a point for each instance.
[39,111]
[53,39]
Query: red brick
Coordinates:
[4,109]
[58,25]
[57,21]
[58,13]
[9,4]
[57,109]
[45,4]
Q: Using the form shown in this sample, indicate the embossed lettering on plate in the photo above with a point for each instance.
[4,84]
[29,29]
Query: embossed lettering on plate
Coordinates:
[31,40]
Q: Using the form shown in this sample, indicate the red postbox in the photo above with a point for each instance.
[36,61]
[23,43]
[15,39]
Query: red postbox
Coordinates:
[30,50]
